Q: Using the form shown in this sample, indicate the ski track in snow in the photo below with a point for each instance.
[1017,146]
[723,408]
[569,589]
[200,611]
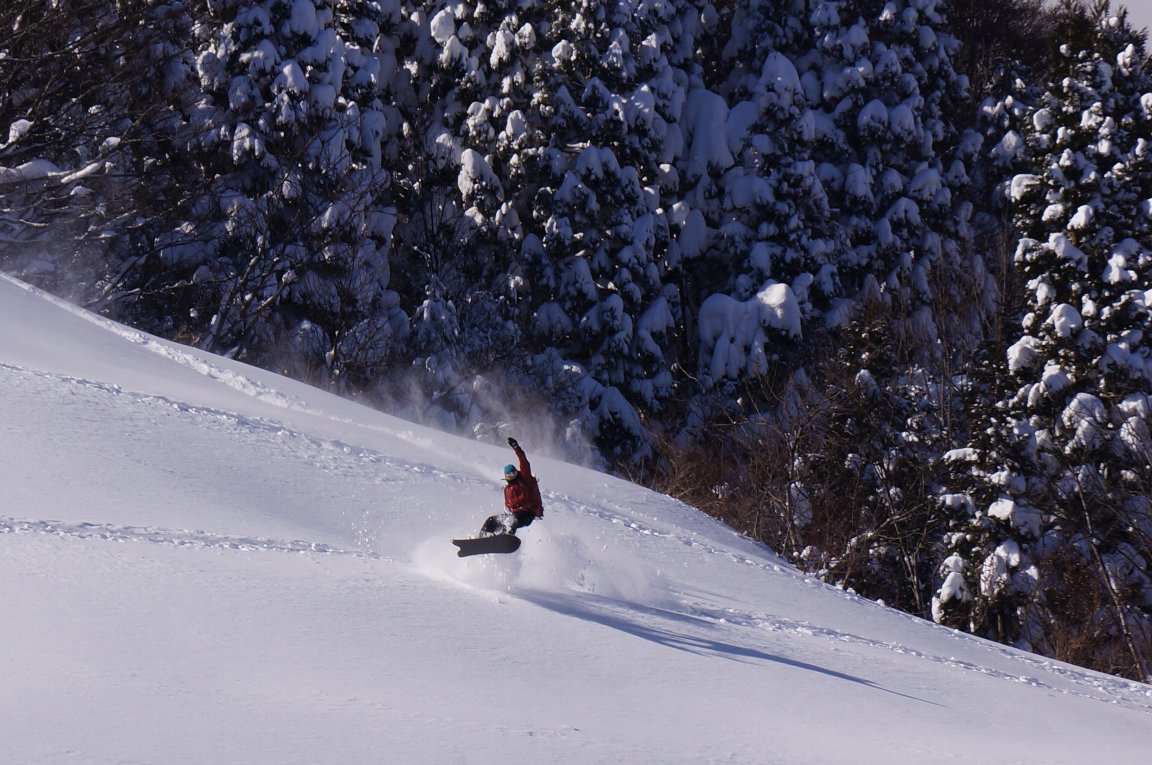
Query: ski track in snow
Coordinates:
[189,539]
[179,354]
[258,427]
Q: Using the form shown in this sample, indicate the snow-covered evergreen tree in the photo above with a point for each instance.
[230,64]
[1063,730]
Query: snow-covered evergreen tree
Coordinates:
[756,187]
[882,81]
[291,234]
[1054,519]
[599,252]
[89,101]
[878,223]
[449,199]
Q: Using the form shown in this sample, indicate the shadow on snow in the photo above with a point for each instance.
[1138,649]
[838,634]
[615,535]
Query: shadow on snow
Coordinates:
[622,615]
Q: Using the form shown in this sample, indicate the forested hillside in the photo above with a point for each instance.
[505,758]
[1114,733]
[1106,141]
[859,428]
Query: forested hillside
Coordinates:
[868,280]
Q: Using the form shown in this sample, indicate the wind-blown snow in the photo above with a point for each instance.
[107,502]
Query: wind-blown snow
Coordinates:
[203,562]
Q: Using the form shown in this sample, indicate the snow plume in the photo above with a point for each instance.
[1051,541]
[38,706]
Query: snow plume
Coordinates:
[549,403]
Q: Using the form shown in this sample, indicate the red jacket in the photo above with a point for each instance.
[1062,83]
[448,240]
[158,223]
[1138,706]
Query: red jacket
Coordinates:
[523,494]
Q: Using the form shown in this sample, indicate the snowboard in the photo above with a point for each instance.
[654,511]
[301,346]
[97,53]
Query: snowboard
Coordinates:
[499,543]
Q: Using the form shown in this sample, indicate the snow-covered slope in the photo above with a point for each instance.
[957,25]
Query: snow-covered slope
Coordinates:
[201,562]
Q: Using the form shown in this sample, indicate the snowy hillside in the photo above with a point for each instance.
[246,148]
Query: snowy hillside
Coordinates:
[201,562]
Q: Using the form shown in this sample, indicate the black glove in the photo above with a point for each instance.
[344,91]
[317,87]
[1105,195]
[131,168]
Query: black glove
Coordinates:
[512,442]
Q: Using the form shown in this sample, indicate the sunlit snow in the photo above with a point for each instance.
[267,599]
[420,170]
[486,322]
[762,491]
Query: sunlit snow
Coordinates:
[202,562]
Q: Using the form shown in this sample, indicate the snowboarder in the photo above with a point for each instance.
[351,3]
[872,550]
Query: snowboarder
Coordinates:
[522,503]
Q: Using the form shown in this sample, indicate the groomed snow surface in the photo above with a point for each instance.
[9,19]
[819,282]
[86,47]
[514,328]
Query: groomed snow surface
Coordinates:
[201,562]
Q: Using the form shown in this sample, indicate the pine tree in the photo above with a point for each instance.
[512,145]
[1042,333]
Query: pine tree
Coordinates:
[89,99]
[449,197]
[289,239]
[597,249]
[768,208]
[1057,516]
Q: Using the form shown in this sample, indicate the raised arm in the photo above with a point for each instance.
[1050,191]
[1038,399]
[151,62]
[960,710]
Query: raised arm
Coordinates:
[525,467]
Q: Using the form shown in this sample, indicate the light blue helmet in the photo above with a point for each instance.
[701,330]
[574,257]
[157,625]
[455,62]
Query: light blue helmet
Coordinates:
[510,471]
